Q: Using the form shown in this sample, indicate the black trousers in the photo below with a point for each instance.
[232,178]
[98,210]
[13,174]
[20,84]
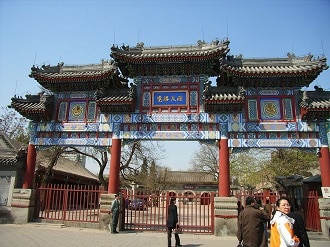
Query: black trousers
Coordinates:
[169,237]
[114,223]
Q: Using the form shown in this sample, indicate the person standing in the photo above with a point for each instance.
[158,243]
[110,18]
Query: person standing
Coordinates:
[264,242]
[239,207]
[269,209]
[299,229]
[172,223]
[281,233]
[115,206]
[251,224]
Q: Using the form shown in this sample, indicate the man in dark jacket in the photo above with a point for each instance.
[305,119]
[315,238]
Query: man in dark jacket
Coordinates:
[299,229]
[172,223]
[115,206]
[251,224]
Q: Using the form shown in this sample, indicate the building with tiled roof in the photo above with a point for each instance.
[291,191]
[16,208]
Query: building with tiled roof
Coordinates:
[191,182]
[12,166]
[65,171]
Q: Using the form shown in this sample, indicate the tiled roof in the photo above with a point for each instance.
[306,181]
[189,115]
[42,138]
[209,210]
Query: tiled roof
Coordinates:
[283,72]
[141,53]
[75,78]
[69,73]
[202,58]
[24,106]
[8,151]
[34,107]
[270,66]
[318,100]
[224,99]
[65,166]
[315,105]
[189,177]
[313,179]
[121,99]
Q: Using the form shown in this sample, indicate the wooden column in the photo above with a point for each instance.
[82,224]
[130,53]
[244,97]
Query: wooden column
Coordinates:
[30,167]
[224,171]
[325,166]
[113,186]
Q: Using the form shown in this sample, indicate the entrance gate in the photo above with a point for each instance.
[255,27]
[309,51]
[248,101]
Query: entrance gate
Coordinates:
[149,212]
[142,211]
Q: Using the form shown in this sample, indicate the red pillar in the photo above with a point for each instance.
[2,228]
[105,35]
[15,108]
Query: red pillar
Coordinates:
[325,166]
[30,167]
[113,186]
[224,172]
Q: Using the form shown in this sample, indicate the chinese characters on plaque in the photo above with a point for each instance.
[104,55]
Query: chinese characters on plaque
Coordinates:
[170,98]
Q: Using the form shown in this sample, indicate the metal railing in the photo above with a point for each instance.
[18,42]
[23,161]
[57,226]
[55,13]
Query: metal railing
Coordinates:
[68,202]
[149,212]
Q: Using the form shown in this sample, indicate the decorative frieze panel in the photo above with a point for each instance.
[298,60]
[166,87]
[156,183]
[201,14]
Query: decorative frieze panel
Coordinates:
[171,135]
[73,141]
[273,143]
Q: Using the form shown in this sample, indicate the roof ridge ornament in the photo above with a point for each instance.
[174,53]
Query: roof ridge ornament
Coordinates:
[207,89]
[291,55]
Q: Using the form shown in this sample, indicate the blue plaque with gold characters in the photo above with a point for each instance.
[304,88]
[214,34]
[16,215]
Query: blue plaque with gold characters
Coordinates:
[170,98]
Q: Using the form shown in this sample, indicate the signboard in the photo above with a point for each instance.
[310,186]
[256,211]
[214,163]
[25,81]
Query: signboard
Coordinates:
[325,192]
[177,98]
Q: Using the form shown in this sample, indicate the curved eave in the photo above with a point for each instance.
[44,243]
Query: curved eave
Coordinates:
[74,82]
[143,54]
[216,106]
[114,102]
[7,161]
[29,107]
[33,111]
[271,72]
[115,99]
[117,107]
[315,114]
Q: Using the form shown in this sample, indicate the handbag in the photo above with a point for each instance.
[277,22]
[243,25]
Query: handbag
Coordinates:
[178,230]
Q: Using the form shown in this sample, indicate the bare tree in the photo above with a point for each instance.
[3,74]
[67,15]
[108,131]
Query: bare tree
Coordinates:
[137,154]
[206,160]
[157,178]
[245,167]
[14,125]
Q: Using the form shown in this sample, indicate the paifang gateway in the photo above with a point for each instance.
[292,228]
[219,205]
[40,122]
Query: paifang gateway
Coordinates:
[165,93]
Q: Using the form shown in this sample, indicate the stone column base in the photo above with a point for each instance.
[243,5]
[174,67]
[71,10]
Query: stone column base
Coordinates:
[324,207]
[225,221]
[22,205]
[104,216]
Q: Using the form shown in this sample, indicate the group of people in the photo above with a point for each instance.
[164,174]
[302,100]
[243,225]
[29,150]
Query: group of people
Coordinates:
[287,228]
[172,219]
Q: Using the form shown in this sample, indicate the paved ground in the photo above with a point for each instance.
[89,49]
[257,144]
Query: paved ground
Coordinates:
[50,235]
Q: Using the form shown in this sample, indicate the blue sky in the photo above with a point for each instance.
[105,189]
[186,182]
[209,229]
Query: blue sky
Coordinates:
[82,32]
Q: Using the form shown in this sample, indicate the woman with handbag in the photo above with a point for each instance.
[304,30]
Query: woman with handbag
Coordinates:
[172,223]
